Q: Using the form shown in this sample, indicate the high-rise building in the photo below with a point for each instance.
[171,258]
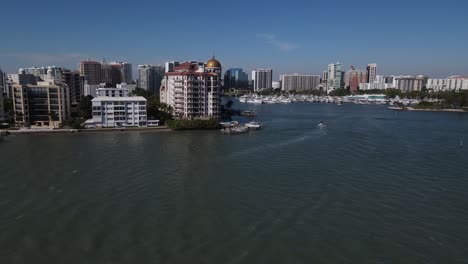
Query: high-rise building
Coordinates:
[353,78]
[92,71]
[193,91]
[106,73]
[410,83]
[371,72]
[169,66]
[297,82]
[453,83]
[324,77]
[45,104]
[116,73]
[262,79]
[75,83]
[335,76]
[150,77]
[236,78]
[127,74]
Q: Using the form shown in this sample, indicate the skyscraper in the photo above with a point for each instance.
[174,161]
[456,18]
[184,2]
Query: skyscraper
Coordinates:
[75,83]
[236,78]
[262,79]
[127,75]
[353,78]
[106,73]
[150,77]
[116,74]
[296,82]
[371,72]
[335,76]
[169,66]
[91,70]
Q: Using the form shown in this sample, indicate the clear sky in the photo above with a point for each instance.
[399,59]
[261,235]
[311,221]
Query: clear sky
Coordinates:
[402,37]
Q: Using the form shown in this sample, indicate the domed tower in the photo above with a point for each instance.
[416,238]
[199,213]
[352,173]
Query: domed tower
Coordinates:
[214,66]
[213,87]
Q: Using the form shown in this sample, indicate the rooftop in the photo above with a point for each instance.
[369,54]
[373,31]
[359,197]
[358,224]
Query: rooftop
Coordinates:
[119,99]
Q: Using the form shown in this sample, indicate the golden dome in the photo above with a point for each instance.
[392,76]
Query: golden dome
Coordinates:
[213,63]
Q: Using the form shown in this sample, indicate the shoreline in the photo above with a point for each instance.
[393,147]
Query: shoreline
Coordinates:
[428,110]
[89,130]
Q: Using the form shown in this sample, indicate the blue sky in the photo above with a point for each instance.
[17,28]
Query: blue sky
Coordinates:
[402,37]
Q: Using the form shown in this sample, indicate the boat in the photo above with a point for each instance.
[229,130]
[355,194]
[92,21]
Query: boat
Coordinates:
[248,113]
[253,125]
[254,101]
[243,99]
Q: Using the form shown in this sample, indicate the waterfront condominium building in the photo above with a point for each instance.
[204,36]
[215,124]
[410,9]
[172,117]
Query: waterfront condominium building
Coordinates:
[371,72]
[453,83]
[410,83]
[297,82]
[262,79]
[236,78]
[91,70]
[193,91]
[118,112]
[75,83]
[46,104]
[150,77]
[335,76]
[353,78]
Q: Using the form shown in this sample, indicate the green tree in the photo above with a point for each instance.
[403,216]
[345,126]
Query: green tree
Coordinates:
[85,108]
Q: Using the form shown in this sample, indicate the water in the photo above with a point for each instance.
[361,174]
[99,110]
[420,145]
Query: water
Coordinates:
[376,186]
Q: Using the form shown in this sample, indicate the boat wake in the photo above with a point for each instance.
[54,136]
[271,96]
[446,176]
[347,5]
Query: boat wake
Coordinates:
[281,144]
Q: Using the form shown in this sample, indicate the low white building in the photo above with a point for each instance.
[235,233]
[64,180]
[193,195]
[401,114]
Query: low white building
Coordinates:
[454,83]
[118,112]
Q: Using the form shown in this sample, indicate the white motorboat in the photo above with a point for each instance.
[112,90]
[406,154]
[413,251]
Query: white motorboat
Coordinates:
[243,99]
[254,101]
[253,125]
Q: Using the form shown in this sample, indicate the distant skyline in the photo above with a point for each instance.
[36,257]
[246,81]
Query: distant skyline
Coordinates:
[402,37]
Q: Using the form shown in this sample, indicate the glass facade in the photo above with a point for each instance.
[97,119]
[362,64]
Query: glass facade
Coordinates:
[236,78]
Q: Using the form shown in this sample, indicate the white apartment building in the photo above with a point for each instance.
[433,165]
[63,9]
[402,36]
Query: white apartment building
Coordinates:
[409,83]
[262,79]
[454,83]
[118,112]
[193,91]
[297,82]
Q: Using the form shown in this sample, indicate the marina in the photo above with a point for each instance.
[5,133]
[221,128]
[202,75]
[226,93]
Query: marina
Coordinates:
[355,99]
